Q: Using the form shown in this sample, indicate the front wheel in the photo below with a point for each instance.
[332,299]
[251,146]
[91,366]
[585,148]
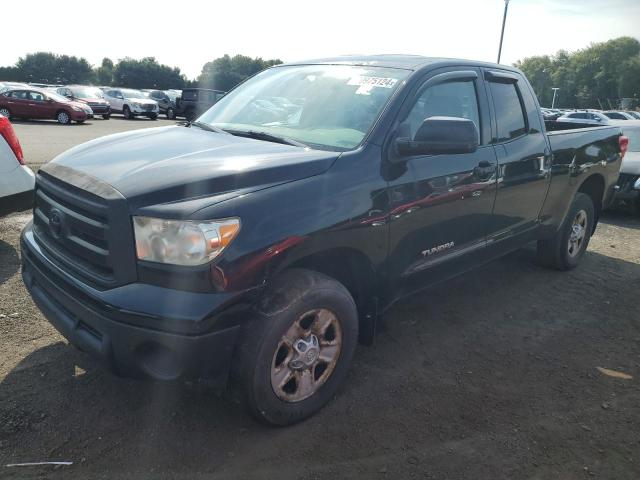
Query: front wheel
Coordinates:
[566,248]
[106,116]
[5,112]
[126,112]
[171,113]
[153,116]
[295,352]
[63,118]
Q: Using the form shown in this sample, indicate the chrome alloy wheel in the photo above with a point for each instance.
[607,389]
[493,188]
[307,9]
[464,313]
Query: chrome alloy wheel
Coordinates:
[578,233]
[63,117]
[306,355]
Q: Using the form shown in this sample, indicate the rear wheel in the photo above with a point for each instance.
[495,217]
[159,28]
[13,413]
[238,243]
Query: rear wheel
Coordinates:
[5,112]
[126,112]
[190,114]
[106,116]
[295,352]
[63,118]
[171,113]
[567,247]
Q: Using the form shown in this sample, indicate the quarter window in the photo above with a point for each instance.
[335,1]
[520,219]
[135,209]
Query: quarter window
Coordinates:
[453,99]
[509,113]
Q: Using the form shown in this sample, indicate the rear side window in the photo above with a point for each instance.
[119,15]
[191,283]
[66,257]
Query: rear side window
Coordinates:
[190,95]
[509,113]
[453,99]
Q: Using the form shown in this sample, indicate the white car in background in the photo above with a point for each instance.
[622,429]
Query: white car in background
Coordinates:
[131,103]
[16,179]
[586,117]
[628,186]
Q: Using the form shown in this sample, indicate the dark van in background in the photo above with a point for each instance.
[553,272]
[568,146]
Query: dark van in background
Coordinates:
[195,101]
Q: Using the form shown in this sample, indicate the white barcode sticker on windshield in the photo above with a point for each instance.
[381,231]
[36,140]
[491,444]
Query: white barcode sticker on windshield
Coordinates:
[383,82]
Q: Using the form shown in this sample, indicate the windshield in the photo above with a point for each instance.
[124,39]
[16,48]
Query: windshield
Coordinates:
[86,92]
[172,94]
[132,94]
[57,97]
[634,138]
[326,106]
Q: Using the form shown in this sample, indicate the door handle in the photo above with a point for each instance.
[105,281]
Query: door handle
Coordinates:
[484,170]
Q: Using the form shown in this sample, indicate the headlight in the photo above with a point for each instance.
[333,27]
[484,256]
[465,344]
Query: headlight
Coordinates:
[136,104]
[182,242]
[76,108]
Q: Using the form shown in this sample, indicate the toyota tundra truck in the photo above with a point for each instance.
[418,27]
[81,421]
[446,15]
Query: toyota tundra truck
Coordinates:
[258,244]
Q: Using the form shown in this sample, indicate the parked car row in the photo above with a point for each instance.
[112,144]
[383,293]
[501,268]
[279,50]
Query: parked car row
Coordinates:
[64,102]
[588,116]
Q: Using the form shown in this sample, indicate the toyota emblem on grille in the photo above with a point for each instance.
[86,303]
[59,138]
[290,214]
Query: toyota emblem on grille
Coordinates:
[55,222]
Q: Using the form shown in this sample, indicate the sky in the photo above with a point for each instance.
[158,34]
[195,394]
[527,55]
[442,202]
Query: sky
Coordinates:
[190,34]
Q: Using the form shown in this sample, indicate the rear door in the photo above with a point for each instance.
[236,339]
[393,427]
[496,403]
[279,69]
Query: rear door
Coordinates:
[523,155]
[442,204]
[18,103]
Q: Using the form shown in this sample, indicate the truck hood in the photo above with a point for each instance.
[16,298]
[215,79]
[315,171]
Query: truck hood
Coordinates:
[176,164]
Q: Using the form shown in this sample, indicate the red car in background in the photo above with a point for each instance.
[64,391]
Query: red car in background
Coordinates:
[36,103]
[92,96]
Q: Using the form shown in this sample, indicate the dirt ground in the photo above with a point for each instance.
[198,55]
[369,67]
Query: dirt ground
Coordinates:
[492,375]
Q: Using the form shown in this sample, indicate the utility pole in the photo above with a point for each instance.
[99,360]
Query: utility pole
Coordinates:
[504,21]
[553,102]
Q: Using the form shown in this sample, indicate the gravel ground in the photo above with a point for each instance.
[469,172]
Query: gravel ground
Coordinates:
[493,375]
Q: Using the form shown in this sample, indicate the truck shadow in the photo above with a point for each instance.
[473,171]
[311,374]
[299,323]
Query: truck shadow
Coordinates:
[461,365]
[621,218]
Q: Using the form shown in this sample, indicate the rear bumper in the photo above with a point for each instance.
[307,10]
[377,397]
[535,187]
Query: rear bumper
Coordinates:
[627,188]
[134,343]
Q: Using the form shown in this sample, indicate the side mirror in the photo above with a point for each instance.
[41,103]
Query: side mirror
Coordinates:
[440,135]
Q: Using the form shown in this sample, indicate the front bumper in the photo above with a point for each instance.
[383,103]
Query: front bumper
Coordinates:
[121,328]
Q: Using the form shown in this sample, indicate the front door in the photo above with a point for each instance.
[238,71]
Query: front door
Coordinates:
[39,107]
[444,216]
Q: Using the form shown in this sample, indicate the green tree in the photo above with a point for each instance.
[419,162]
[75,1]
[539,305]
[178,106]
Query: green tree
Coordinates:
[45,67]
[226,72]
[104,73]
[147,73]
[597,76]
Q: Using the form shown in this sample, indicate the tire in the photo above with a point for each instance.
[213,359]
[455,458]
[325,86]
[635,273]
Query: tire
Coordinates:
[126,112]
[5,112]
[106,117]
[566,248]
[267,368]
[153,116]
[80,121]
[170,113]
[63,117]
[190,114]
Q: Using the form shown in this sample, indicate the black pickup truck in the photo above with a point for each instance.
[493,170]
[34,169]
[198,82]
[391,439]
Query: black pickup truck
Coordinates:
[266,238]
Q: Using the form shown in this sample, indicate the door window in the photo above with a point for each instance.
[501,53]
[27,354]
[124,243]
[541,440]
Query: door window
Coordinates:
[510,115]
[453,99]
[36,96]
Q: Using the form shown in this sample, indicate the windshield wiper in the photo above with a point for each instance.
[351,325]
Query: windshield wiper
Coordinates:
[268,137]
[205,126]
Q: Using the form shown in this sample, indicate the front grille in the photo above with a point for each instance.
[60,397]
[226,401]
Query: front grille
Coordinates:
[73,228]
[149,107]
[98,107]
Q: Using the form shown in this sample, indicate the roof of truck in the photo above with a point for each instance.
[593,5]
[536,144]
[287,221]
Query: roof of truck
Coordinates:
[408,62]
